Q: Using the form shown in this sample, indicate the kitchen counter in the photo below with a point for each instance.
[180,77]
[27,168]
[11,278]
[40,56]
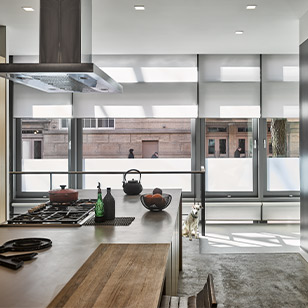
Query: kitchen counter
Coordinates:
[40,280]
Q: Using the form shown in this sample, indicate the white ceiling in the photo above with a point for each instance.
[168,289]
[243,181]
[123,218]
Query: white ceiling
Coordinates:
[171,26]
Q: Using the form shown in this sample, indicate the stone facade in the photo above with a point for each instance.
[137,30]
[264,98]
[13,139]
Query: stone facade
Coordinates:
[173,138]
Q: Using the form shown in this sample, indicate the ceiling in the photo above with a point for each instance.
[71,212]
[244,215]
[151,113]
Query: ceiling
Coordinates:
[171,26]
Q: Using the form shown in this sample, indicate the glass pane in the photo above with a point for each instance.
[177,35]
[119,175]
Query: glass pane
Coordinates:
[93,123]
[37,149]
[283,155]
[64,123]
[222,146]
[99,123]
[111,122]
[44,148]
[113,150]
[211,147]
[87,123]
[225,172]
[104,122]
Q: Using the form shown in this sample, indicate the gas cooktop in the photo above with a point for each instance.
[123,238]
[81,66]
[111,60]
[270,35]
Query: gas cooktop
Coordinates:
[73,214]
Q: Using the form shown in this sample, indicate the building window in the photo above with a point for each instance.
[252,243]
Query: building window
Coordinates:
[217,129]
[244,129]
[107,123]
[64,123]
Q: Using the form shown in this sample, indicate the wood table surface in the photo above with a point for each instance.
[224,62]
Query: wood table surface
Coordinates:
[117,275]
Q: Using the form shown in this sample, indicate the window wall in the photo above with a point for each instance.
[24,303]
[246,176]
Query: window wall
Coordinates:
[248,137]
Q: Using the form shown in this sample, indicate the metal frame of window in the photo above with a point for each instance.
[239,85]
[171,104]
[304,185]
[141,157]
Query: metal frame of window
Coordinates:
[227,195]
[291,194]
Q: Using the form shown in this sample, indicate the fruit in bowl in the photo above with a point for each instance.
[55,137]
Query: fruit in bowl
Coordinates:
[155,202]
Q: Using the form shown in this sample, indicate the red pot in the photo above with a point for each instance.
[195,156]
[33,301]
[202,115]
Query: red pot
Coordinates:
[63,195]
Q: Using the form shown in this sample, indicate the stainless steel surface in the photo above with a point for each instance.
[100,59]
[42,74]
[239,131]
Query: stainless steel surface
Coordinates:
[37,283]
[64,43]
[61,77]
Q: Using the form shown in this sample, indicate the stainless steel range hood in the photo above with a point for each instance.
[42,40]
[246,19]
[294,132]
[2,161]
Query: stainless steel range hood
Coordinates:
[65,52]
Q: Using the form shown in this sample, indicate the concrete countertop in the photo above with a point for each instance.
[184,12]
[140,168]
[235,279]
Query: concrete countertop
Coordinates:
[38,281]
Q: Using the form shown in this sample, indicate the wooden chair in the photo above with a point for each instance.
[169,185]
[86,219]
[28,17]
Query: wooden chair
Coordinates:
[204,299]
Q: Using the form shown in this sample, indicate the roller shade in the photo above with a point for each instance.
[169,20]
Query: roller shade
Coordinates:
[31,103]
[226,100]
[280,86]
[140,100]
[229,86]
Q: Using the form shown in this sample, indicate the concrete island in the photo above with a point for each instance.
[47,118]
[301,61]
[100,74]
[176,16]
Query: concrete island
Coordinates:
[76,251]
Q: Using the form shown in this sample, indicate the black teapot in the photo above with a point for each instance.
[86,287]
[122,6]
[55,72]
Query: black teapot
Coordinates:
[132,187]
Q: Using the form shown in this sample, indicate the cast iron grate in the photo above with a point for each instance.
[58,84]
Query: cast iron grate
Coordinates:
[118,221]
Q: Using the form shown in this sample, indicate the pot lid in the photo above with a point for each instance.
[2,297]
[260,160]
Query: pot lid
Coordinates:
[63,190]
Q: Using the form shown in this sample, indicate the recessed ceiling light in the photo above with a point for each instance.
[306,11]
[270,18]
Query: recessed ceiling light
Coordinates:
[251,7]
[139,7]
[28,9]
[239,32]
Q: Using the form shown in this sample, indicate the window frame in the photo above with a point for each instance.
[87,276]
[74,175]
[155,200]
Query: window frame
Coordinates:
[263,168]
[227,195]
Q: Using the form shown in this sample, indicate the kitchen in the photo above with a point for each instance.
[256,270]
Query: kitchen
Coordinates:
[71,126]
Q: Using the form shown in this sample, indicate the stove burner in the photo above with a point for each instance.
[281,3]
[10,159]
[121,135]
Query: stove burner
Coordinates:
[26,244]
[55,213]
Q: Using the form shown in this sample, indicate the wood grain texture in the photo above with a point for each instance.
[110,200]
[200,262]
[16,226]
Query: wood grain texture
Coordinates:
[117,275]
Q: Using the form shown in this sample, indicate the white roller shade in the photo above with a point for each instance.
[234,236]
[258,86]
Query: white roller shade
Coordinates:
[229,86]
[31,103]
[140,100]
[280,86]
[280,100]
[229,100]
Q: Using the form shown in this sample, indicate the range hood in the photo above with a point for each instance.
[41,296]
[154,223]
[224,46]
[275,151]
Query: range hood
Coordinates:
[65,52]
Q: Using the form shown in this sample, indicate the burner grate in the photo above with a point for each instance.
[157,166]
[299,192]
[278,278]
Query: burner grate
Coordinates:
[118,221]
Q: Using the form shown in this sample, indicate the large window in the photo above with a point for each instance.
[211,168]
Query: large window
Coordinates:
[44,148]
[282,155]
[229,155]
[133,143]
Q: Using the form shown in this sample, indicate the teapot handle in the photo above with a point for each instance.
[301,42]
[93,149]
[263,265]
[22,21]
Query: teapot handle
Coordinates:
[124,178]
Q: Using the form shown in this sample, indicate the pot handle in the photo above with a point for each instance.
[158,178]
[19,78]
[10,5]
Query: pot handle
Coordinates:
[124,177]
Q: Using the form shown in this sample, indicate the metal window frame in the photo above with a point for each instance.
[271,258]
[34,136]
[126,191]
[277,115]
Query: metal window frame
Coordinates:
[290,194]
[231,195]
[17,180]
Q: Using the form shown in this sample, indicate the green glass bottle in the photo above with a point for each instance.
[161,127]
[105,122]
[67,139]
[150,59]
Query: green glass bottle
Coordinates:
[99,206]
